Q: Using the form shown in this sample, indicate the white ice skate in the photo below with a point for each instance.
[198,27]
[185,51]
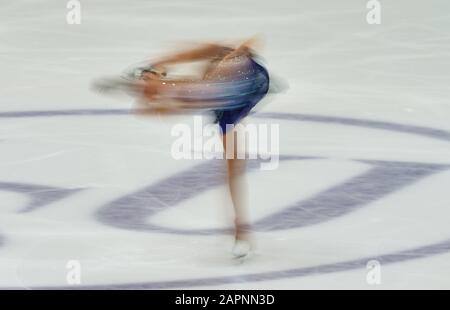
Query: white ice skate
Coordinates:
[241,249]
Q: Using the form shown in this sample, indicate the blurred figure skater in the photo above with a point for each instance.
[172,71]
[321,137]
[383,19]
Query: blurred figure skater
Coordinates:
[230,86]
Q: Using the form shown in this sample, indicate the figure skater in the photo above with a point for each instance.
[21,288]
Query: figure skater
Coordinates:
[232,83]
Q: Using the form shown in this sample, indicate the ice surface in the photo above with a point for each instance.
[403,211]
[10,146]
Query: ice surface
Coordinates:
[365,146]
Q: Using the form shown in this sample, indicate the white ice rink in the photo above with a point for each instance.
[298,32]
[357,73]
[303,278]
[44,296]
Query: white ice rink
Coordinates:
[364,171]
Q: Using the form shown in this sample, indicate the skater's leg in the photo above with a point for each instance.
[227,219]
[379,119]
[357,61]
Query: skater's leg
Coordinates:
[238,191]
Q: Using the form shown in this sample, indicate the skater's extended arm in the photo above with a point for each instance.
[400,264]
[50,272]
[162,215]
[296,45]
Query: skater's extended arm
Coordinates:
[204,52]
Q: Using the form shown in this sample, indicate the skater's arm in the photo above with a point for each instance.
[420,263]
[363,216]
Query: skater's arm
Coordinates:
[204,52]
